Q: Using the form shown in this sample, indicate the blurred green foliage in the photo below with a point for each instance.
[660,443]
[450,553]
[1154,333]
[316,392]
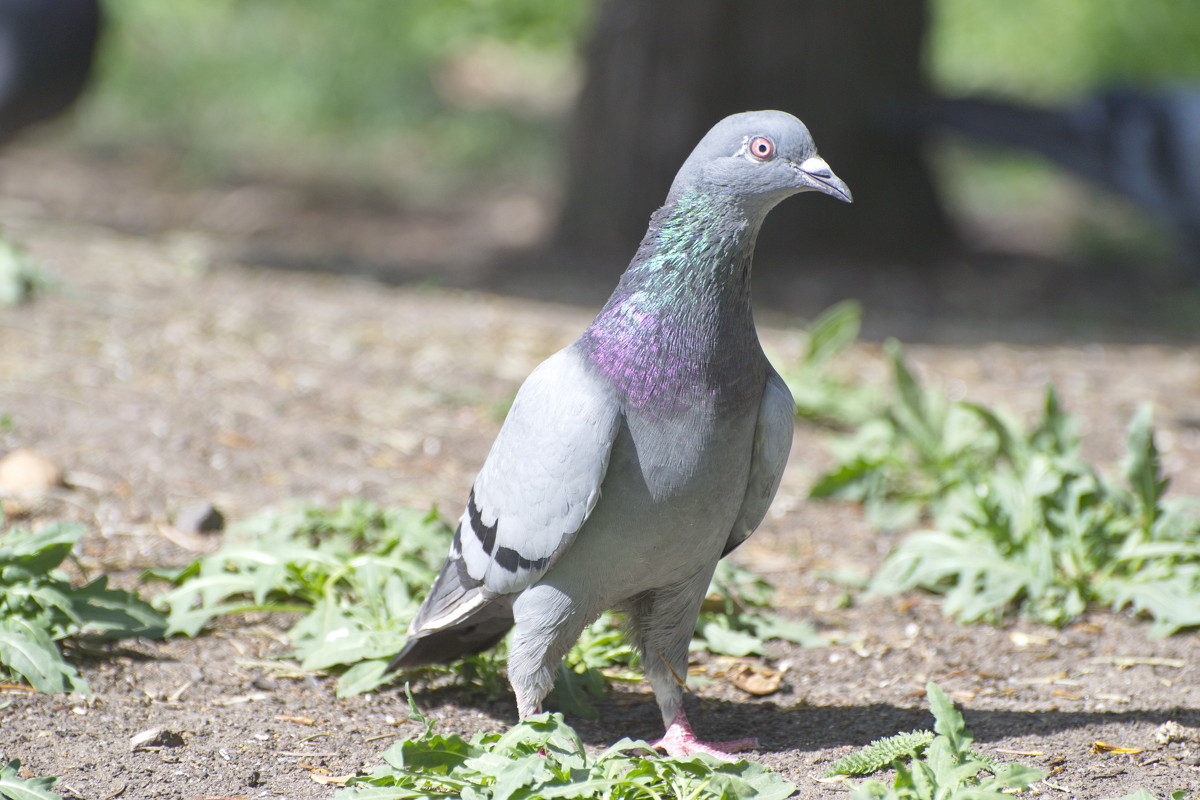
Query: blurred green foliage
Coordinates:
[1045,50]
[365,90]
[428,97]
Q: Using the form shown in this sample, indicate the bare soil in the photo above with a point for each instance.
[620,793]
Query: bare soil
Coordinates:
[255,344]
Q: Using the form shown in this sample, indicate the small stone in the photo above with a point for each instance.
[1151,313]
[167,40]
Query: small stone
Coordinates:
[202,517]
[1171,731]
[155,737]
[27,473]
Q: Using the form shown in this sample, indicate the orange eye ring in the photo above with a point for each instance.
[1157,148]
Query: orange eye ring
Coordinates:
[762,148]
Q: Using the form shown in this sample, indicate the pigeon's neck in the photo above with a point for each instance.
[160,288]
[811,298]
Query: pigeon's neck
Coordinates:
[679,329]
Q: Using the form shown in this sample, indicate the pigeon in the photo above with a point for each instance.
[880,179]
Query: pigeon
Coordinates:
[1140,142]
[634,459]
[46,52]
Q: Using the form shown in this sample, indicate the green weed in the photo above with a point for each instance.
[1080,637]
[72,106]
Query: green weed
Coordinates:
[21,277]
[821,395]
[1014,519]
[941,765]
[356,574]
[543,757]
[39,608]
[13,786]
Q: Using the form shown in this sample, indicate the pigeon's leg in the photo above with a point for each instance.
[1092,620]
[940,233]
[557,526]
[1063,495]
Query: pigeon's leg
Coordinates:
[662,623]
[548,623]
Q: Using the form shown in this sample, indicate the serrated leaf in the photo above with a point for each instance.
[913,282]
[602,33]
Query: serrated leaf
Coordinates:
[1143,467]
[880,754]
[948,721]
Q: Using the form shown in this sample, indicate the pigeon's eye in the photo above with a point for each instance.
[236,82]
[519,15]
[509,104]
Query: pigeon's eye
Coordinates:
[762,148]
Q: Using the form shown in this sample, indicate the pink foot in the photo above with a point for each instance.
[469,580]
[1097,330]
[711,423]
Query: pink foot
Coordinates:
[680,742]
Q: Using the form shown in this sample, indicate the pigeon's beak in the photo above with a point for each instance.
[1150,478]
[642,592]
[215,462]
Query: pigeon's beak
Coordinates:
[816,175]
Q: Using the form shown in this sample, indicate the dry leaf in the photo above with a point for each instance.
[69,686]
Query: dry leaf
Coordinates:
[756,679]
[1022,639]
[1104,747]
[233,439]
[331,780]
[245,698]
[1125,662]
[17,687]
[295,719]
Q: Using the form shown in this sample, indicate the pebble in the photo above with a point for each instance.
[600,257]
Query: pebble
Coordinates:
[155,737]
[202,517]
[27,473]
[1171,731]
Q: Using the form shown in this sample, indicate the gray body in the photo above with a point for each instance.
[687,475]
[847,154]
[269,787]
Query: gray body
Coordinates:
[634,459]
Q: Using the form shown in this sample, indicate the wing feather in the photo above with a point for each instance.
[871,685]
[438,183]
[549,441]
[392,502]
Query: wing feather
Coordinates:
[539,483]
[772,445]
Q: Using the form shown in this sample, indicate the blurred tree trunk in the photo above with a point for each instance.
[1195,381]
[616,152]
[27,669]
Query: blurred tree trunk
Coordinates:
[661,72]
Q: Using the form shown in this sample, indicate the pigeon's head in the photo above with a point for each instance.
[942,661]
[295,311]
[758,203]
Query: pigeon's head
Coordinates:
[761,157]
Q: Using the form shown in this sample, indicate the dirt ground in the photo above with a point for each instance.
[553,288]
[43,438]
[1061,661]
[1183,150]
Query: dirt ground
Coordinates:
[252,345]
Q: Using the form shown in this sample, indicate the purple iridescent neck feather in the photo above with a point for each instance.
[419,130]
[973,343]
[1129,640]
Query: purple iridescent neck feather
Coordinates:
[678,331]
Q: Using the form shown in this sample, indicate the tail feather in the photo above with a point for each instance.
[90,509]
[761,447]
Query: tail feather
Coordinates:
[458,618]
[475,634]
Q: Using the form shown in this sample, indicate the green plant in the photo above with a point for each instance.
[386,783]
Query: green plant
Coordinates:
[938,766]
[1044,535]
[879,754]
[39,608]
[821,395]
[736,618]
[543,757]
[356,573]
[941,765]
[14,787]
[916,449]
[1017,521]
[21,277]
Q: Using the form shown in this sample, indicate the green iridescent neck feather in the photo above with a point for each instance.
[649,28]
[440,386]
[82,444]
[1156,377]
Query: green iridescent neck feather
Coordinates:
[679,330]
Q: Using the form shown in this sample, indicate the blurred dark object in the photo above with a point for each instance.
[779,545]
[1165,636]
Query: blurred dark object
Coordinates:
[46,54]
[661,72]
[1142,143]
